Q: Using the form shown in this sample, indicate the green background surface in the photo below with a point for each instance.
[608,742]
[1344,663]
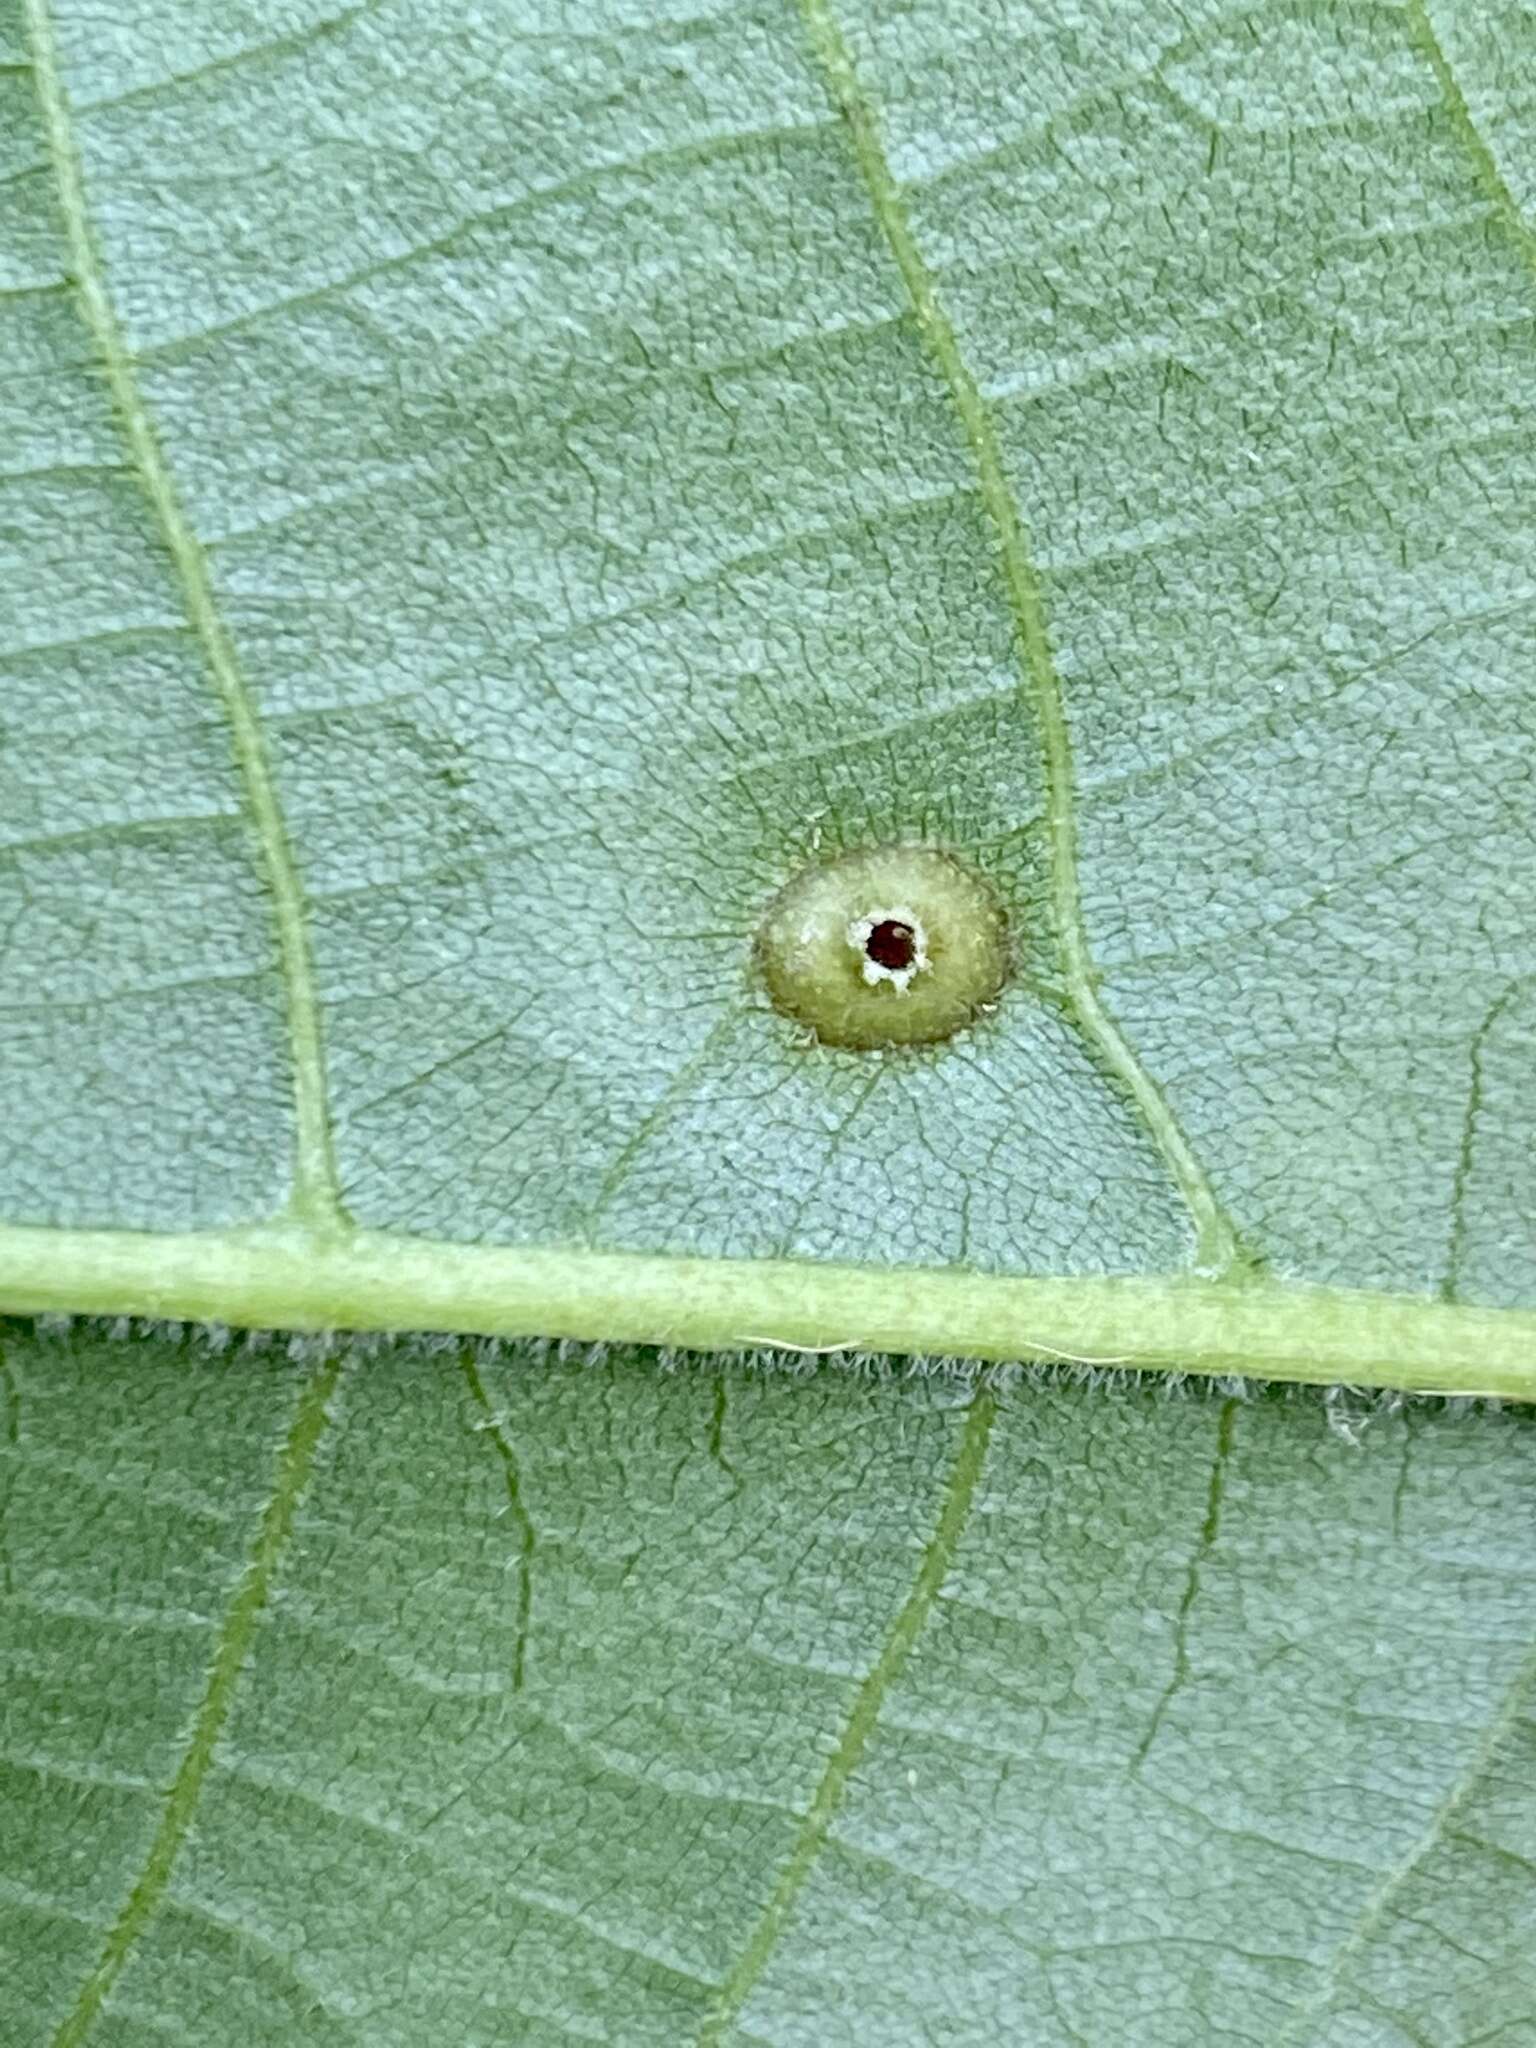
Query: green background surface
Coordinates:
[487,494]
[596,521]
[1215,1726]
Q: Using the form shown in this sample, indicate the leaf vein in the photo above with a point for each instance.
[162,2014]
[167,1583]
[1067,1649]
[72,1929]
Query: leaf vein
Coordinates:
[1456,1250]
[1217,1247]
[274,1276]
[315,1179]
[701,151]
[1441,1826]
[672,1097]
[1421,29]
[938,1556]
[1210,1530]
[231,1648]
[517,1508]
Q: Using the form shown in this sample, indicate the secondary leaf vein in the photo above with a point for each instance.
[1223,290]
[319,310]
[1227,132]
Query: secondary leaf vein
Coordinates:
[1422,30]
[316,1188]
[1457,1249]
[1210,1530]
[1441,1825]
[231,1647]
[672,1096]
[938,1556]
[1217,1247]
[522,1521]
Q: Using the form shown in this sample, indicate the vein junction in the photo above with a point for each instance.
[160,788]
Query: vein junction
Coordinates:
[1217,1249]
[316,1197]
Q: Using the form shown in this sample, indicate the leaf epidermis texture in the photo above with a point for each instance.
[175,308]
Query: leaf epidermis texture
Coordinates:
[511,1693]
[518,565]
[456,586]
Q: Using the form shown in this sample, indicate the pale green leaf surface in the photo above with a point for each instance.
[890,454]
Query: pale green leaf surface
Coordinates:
[485,496]
[1145,1719]
[602,459]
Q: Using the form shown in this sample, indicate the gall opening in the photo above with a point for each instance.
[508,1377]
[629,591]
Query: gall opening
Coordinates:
[892,944]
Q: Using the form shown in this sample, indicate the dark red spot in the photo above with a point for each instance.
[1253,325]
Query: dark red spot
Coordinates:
[892,944]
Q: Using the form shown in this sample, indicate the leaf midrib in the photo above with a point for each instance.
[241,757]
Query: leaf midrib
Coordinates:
[289,1277]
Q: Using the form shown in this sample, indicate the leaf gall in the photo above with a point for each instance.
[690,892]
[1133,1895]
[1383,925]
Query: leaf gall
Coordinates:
[891,945]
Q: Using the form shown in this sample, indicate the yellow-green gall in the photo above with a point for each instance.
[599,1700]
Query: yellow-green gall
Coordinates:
[893,945]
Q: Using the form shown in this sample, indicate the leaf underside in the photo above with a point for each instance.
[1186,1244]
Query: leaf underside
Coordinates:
[460,582]
[491,1695]
[486,497]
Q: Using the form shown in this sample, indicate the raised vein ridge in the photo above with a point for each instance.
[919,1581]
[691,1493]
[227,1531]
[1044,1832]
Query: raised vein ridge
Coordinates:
[229,1654]
[527,1536]
[938,1555]
[1378,1908]
[278,1276]
[316,1188]
[1216,1246]
[1426,41]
